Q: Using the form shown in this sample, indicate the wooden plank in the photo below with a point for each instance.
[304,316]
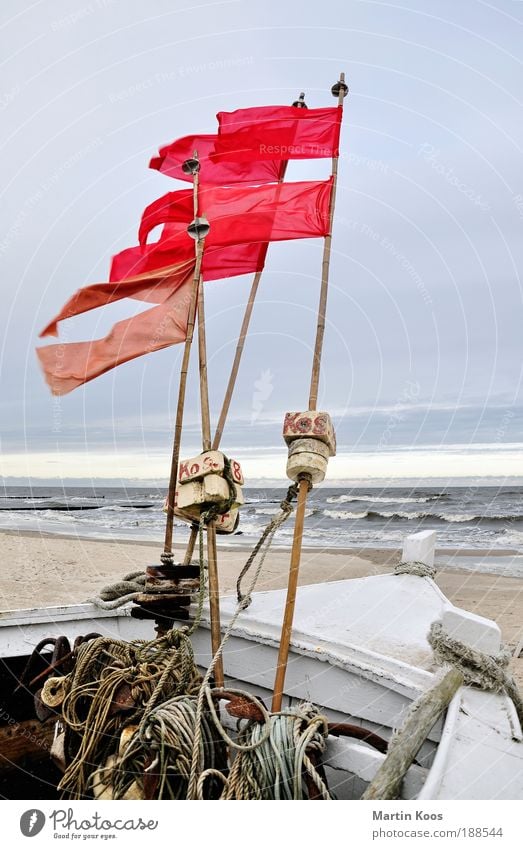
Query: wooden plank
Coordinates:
[403,748]
[26,739]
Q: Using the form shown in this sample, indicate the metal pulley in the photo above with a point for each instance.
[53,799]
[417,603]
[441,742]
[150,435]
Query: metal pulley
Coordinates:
[199,228]
[340,86]
[191,166]
[311,439]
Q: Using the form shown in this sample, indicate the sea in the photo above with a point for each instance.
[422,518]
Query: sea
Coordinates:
[465,518]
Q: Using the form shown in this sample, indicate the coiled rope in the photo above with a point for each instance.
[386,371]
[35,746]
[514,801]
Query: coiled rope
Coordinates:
[273,758]
[121,592]
[489,672]
[158,757]
[144,673]
[415,567]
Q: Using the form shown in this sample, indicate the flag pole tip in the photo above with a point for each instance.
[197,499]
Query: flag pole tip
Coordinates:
[300,103]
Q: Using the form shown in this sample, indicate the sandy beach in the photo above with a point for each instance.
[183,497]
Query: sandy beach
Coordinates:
[49,570]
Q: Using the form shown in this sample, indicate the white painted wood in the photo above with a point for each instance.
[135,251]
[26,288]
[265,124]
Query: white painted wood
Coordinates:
[21,630]
[420,547]
[475,631]
[362,761]
[477,757]
[309,446]
[210,490]
[226,523]
[384,615]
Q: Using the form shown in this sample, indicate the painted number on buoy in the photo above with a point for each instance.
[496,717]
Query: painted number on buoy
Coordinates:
[237,474]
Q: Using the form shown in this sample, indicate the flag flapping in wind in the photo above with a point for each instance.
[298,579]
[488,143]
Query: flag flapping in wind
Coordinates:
[147,286]
[217,263]
[248,206]
[69,365]
[277,132]
[242,214]
[213,171]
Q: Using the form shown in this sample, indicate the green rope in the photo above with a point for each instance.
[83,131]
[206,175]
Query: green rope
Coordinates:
[273,758]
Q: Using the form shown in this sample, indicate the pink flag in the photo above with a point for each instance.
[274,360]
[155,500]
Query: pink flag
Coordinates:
[70,365]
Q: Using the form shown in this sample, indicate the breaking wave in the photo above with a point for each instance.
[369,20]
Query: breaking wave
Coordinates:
[378,499]
[452,518]
[345,514]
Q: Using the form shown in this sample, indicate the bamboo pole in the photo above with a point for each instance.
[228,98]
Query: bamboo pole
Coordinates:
[241,341]
[304,483]
[236,362]
[324,290]
[404,747]
[204,384]
[168,540]
[177,438]
[189,551]
[212,561]
[228,393]
[231,384]
[214,600]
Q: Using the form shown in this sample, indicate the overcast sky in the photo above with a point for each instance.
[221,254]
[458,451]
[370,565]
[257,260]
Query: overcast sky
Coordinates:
[423,345]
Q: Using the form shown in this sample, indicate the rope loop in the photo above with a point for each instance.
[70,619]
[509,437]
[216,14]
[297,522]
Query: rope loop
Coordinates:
[222,507]
[488,672]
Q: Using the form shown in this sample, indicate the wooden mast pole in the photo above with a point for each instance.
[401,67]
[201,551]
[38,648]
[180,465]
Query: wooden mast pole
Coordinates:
[228,394]
[212,559]
[304,483]
[231,384]
[236,362]
[175,457]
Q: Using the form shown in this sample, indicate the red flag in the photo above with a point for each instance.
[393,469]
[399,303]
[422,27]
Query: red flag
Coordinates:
[144,284]
[217,262]
[212,169]
[242,214]
[278,132]
[70,365]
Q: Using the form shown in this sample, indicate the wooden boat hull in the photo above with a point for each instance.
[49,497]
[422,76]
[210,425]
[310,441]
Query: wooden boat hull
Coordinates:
[360,653]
